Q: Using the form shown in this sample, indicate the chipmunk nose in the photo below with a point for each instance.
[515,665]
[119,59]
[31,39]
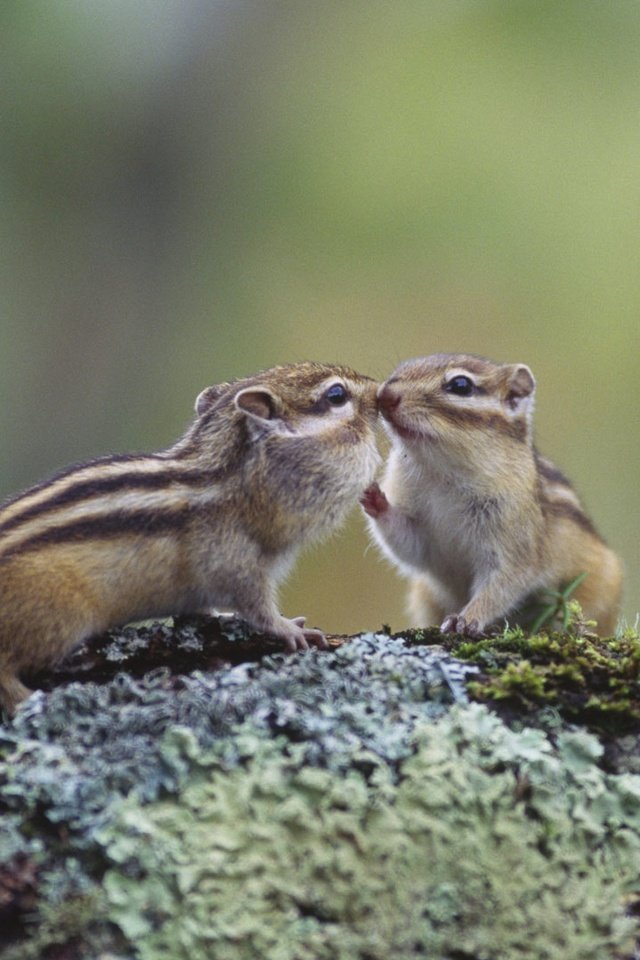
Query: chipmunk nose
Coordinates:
[388,399]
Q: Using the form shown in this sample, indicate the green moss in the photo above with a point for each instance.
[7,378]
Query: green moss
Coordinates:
[588,679]
[517,679]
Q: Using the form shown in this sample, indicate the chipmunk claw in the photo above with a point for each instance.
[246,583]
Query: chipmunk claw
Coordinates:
[311,637]
[455,623]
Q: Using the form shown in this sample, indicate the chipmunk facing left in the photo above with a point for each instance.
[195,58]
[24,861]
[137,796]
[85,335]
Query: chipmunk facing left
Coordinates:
[270,463]
[471,512]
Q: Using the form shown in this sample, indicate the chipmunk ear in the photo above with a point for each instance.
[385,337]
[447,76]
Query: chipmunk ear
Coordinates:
[206,398]
[521,386]
[259,403]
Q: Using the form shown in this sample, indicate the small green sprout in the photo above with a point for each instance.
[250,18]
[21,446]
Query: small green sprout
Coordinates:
[560,605]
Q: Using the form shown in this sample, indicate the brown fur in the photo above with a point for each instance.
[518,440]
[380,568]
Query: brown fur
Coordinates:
[268,465]
[471,512]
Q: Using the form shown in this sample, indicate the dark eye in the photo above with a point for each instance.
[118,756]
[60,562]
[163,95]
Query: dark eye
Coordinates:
[461,386]
[337,394]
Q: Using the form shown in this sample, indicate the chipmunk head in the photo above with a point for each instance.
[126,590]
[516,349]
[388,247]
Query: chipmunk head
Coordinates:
[298,400]
[300,438]
[458,401]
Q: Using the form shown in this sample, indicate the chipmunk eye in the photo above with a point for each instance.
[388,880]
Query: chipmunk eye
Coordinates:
[461,386]
[337,394]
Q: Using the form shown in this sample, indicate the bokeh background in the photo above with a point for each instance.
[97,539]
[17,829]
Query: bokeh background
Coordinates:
[191,191]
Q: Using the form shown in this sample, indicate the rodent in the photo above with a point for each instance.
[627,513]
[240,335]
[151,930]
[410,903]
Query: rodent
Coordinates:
[270,463]
[468,508]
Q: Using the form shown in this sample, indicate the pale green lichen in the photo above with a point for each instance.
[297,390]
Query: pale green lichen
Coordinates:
[275,860]
[70,756]
[331,805]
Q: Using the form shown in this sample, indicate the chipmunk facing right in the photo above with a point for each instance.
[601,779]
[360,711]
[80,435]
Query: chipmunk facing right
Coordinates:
[471,512]
[270,464]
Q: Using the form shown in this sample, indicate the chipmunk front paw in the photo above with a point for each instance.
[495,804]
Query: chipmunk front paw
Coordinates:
[305,637]
[454,623]
[374,501]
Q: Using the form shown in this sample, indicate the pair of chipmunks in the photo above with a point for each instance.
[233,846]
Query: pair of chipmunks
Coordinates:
[468,510]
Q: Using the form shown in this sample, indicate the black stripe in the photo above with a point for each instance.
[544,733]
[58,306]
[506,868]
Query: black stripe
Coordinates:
[560,508]
[138,523]
[549,471]
[93,487]
[76,468]
[516,429]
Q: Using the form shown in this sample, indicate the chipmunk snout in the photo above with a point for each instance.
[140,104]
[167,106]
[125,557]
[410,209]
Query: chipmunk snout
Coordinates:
[388,399]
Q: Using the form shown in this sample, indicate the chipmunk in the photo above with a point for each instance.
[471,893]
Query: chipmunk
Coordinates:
[270,463]
[471,512]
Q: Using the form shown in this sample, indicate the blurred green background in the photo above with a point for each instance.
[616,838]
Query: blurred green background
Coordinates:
[191,191]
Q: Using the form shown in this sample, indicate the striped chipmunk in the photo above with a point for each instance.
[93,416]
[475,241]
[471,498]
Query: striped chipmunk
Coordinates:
[479,521]
[271,463]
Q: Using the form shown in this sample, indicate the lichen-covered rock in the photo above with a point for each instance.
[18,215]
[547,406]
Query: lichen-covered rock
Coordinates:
[491,844]
[344,804]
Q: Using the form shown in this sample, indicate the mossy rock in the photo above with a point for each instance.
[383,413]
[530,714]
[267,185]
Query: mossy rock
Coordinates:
[349,803]
[590,680]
